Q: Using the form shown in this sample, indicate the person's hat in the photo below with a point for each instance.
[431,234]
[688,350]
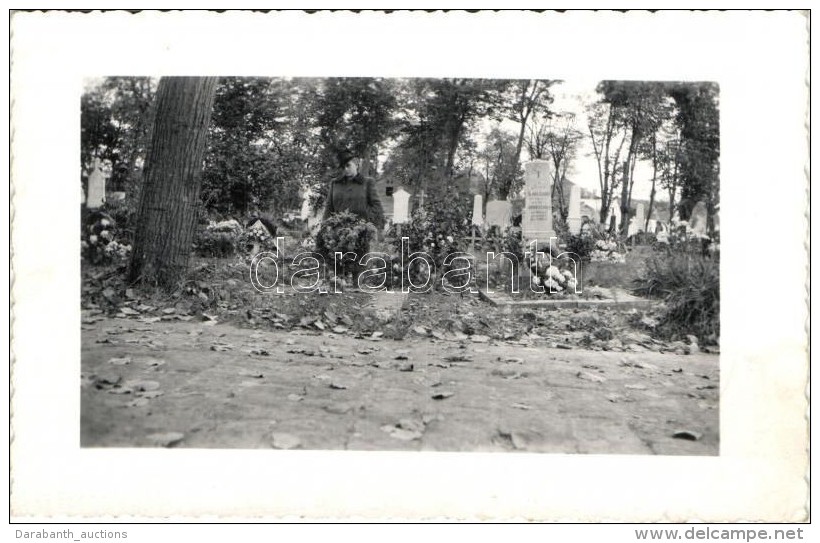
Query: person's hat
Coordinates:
[345,156]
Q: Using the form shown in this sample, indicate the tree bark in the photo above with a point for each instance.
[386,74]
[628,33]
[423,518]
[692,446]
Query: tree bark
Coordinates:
[171,181]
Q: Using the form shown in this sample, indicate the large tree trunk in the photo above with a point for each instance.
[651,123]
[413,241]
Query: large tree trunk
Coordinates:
[171,181]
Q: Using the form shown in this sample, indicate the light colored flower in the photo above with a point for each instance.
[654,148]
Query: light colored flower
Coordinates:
[105,234]
[105,222]
[552,286]
[450,239]
[92,239]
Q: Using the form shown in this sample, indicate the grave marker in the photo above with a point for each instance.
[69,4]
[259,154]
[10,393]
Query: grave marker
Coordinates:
[478,214]
[537,217]
[640,218]
[96,187]
[574,218]
[401,206]
[499,213]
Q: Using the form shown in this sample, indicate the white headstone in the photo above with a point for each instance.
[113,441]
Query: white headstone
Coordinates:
[304,213]
[478,212]
[401,206]
[96,188]
[697,220]
[632,229]
[574,217]
[640,218]
[537,216]
[499,213]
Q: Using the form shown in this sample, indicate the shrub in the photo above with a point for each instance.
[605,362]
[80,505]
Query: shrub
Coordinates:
[218,239]
[582,245]
[342,233]
[690,286]
[438,229]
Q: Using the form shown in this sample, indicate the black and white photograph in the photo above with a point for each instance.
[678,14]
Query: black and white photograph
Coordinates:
[479,271]
[355,263]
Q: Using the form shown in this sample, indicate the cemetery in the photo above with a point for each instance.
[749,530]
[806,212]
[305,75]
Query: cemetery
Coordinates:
[535,316]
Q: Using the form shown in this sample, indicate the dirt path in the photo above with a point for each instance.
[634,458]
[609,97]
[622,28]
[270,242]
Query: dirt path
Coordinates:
[186,384]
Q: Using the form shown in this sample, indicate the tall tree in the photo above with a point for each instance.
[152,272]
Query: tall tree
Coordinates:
[356,113]
[239,165]
[529,97]
[642,107]
[605,130]
[562,141]
[698,119]
[171,180]
[115,122]
[497,162]
[440,118]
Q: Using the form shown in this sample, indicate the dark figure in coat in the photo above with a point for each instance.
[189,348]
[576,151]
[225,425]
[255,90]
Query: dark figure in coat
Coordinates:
[355,193]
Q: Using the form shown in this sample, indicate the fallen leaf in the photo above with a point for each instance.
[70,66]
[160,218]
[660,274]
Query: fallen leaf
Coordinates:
[285,441]
[295,397]
[169,310]
[590,377]
[401,433]
[167,439]
[221,347]
[128,311]
[442,395]
[306,321]
[337,386]
[142,386]
[102,381]
[406,367]
[479,339]
[340,329]
[338,409]
[521,406]
[120,361]
[458,358]
[420,330]
[687,434]
[635,387]
[120,390]
[152,394]
[137,402]
[319,324]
